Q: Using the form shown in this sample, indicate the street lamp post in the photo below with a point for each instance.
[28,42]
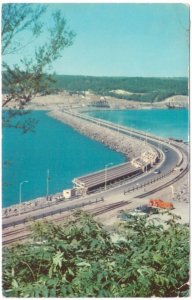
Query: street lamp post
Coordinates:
[146,137]
[20,194]
[107,165]
[131,131]
[117,129]
[172,191]
[48,178]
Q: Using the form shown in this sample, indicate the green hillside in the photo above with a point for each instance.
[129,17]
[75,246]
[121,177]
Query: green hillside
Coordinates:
[151,89]
[138,88]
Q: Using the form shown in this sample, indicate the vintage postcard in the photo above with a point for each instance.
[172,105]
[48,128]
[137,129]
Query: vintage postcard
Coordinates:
[95,150]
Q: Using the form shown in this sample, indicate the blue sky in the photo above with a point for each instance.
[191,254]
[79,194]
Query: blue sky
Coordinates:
[124,40]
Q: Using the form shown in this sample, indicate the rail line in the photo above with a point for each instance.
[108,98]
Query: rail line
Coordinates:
[94,212]
[19,234]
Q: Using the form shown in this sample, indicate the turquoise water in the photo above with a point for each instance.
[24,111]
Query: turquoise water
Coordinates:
[162,122]
[54,146]
[68,154]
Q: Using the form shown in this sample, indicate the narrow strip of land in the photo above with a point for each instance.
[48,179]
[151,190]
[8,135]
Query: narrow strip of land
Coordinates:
[173,166]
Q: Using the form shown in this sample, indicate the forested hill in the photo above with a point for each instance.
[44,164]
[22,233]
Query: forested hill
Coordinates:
[130,88]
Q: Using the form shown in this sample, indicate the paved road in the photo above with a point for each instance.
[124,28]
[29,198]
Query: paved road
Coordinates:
[173,154]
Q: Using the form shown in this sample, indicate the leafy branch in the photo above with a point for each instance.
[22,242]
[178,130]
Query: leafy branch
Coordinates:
[79,259]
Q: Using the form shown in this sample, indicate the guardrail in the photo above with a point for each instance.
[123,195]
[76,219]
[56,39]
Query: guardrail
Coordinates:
[137,187]
[160,153]
[148,182]
[118,127]
[51,213]
[124,129]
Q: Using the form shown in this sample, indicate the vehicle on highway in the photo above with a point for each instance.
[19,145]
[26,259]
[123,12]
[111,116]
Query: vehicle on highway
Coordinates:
[166,150]
[157,171]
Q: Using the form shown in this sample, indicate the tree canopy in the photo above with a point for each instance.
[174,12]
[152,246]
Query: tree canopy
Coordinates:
[137,88]
[24,80]
[80,259]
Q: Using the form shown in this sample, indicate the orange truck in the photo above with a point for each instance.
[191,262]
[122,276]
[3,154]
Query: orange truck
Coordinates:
[161,204]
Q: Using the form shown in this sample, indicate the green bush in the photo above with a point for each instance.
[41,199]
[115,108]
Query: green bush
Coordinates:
[79,259]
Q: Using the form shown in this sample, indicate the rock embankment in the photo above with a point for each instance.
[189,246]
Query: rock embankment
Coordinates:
[129,146]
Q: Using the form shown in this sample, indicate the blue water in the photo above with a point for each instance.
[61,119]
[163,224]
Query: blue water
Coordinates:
[68,154]
[162,122]
[54,146]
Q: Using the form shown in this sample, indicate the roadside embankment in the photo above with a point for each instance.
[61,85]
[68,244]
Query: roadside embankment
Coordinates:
[127,145]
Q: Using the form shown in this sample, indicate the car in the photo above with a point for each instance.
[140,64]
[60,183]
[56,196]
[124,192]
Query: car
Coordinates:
[157,171]
[130,215]
[166,150]
[147,209]
[161,204]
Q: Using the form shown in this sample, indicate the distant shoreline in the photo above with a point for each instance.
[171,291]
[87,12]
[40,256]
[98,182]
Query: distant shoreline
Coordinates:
[64,100]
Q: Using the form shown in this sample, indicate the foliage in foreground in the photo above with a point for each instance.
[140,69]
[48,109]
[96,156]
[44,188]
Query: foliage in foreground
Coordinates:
[79,259]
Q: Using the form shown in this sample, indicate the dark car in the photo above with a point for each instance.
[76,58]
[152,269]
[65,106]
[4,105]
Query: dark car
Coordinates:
[147,209]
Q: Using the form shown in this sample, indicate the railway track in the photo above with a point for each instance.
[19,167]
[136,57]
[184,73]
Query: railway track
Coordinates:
[18,235]
[21,234]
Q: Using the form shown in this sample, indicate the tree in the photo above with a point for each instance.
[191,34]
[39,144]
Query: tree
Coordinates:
[79,259]
[29,77]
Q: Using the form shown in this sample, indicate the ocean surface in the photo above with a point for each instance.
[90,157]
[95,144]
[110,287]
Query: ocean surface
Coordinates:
[68,154]
[162,122]
[54,146]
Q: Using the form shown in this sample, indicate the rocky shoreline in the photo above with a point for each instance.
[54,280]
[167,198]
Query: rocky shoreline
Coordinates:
[130,147]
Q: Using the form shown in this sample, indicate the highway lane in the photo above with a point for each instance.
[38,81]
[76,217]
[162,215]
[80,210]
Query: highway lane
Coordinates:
[172,152]
[172,158]
[171,155]
[58,208]
[81,202]
[22,232]
[157,142]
